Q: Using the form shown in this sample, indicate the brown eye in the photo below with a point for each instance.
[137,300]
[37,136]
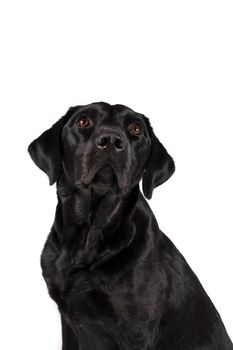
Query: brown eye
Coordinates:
[135,129]
[82,123]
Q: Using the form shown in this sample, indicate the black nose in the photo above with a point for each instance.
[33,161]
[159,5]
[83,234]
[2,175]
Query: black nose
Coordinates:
[108,140]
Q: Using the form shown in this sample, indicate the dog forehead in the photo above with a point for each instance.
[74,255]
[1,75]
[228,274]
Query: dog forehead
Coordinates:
[103,112]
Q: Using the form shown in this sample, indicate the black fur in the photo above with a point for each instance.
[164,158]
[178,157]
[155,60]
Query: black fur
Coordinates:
[118,281]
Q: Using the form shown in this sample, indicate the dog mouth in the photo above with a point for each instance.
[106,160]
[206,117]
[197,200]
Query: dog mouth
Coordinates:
[105,177]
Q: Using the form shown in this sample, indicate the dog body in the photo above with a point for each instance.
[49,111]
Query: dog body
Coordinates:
[118,281]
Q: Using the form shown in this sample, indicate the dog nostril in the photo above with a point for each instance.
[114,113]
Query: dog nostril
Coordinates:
[103,142]
[107,140]
[118,144]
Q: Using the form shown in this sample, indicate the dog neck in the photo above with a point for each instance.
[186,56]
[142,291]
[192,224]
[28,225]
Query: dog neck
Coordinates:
[94,222]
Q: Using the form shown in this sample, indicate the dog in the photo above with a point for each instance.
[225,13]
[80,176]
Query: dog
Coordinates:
[118,281]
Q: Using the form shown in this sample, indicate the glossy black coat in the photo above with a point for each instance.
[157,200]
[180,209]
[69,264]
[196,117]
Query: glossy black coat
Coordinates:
[118,281]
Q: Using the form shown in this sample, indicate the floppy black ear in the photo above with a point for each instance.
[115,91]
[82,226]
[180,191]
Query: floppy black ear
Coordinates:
[45,151]
[159,167]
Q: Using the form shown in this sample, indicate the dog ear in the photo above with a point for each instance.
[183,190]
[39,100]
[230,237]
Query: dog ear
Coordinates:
[45,151]
[159,167]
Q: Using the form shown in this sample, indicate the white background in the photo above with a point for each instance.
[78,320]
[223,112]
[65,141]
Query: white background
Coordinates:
[172,61]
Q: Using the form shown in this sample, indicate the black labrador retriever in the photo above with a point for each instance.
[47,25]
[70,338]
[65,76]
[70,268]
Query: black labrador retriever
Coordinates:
[118,281]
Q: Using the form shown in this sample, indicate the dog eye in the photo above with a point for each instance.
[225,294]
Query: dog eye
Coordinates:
[82,123]
[135,129]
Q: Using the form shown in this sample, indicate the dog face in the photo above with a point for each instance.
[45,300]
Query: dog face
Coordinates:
[103,146]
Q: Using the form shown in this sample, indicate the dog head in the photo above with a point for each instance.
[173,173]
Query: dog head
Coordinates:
[103,146]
